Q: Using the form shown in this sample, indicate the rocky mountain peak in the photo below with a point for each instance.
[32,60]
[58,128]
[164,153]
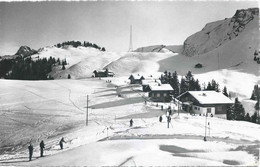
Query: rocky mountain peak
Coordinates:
[217,33]
[25,51]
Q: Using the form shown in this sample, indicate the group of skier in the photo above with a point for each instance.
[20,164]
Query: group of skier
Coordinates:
[42,146]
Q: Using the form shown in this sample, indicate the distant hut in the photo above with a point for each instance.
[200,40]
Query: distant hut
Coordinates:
[136,79]
[103,73]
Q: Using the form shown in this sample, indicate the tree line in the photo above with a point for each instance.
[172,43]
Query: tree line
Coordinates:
[188,83]
[76,44]
[28,69]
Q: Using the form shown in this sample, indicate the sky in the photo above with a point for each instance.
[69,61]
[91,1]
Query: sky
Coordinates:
[40,24]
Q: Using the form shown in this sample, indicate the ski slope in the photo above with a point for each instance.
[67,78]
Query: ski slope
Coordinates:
[49,110]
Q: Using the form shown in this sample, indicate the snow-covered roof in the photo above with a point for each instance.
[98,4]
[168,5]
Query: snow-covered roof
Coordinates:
[136,76]
[148,82]
[162,87]
[103,71]
[210,97]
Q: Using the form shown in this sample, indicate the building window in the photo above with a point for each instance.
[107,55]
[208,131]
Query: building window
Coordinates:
[158,94]
[208,110]
[219,108]
[195,108]
[164,94]
[198,108]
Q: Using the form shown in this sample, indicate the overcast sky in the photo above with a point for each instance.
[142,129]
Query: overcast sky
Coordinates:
[39,24]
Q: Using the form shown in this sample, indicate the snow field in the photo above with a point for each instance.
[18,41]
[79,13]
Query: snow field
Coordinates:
[138,145]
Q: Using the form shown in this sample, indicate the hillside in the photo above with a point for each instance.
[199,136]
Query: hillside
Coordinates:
[221,32]
[82,61]
[160,49]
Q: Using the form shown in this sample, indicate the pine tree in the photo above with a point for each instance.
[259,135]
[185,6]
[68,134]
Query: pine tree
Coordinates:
[247,117]
[239,110]
[174,82]
[230,113]
[189,76]
[197,85]
[225,91]
[253,96]
[63,67]
[183,86]
[209,87]
[254,117]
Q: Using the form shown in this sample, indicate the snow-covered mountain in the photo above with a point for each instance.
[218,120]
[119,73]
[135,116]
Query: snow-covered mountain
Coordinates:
[221,32]
[25,51]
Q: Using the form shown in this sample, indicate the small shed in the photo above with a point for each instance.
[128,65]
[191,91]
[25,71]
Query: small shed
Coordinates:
[136,79]
[201,102]
[160,92]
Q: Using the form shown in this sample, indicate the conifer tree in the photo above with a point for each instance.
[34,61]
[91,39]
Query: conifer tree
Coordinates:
[239,110]
[254,117]
[183,86]
[247,117]
[230,113]
[225,91]
[63,67]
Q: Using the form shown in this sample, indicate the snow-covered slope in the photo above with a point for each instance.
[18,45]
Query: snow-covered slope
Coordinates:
[81,61]
[48,110]
[220,32]
[161,49]
[134,62]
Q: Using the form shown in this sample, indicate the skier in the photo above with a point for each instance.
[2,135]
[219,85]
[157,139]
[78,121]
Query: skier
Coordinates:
[30,148]
[131,123]
[42,146]
[160,118]
[61,143]
[169,121]
[170,112]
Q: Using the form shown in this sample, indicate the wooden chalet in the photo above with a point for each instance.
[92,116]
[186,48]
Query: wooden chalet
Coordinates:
[136,79]
[103,73]
[201,102]
[160,92]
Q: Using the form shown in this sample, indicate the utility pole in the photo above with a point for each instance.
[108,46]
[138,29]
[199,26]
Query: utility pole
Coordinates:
[209,128]
[87,113]
[205,138]
[258,97]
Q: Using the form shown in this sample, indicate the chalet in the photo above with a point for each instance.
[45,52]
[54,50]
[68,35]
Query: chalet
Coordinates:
[201,102]
[160,92]
[136,79]
[103,73]
[147,82]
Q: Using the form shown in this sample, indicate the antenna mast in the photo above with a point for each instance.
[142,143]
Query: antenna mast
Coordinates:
[130,44]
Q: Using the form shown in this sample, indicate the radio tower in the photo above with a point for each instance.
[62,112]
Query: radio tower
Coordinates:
[130,44]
